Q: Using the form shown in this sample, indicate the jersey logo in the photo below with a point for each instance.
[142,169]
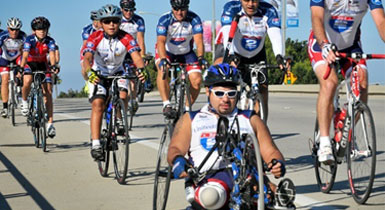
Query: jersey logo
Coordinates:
[177,41]
[341,23]
[250,43]
[133,43]
[90,44]
[376,2]
[161,29]
[208,140]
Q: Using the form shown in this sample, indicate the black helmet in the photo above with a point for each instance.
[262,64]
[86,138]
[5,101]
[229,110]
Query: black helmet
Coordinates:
[94,15]
[221,74]
[127,4]
[40,23]
[179,3]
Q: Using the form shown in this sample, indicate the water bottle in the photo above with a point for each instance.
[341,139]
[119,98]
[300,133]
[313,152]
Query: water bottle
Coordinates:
[189,190]
[109,112]
[341,136]
[243,101]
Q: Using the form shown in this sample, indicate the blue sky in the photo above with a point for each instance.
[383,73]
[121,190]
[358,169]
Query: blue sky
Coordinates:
[68,17]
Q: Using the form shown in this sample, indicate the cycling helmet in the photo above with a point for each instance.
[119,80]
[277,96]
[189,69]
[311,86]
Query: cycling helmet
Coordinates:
[128,4]
[110,11]
[40,23]
[221,74]
[14,23]
[94,15]
[179,3]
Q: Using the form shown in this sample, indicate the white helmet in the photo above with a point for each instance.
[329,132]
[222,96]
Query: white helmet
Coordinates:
[14,23]
[110,11]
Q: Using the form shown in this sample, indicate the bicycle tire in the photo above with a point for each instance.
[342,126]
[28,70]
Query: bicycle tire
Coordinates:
[120,142]
[105,143]
[262,112]
[12,102]
[31,119]
[325,174]
[140,91]
[362,156]
[162,172]
[41,120]
[130,108]
[188,95]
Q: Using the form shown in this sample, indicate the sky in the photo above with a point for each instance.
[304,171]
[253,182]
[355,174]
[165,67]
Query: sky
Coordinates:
[68,17]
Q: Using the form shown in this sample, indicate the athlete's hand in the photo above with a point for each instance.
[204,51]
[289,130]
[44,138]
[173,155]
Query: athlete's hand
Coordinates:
[202,62]
[142,74]
[329,52]
[163,64]
[55,68]
[277,168]
[93,77]
[179,167]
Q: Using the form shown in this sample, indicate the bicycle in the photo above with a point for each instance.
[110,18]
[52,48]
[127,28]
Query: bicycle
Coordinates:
[242,153]
[179,87]
[140,90]
[37,114]
[113,137]
[354,138]
[249,96]
[14,93]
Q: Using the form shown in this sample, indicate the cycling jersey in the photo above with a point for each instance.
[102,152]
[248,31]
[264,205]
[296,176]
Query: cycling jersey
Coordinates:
[87,31]
[251,32]
[108,52]
[342,19]
[11,48]
[133,25]
[179,33]
[38,50]
[203,131]
[230,9]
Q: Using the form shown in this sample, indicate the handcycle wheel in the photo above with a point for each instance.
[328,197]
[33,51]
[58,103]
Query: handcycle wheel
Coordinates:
[262,112]
[103,164]
[325,174]
[362,153]
[162,172]
[120,142]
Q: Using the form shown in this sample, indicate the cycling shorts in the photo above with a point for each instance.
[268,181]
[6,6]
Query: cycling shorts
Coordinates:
[38,66]
[189,58]
[316,59]
[245,73]
[4,63]
[101,90]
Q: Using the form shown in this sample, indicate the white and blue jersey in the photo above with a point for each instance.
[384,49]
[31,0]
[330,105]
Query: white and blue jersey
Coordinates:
[179,33]
[11,48]
[133,25]
[342,19]
[87,31]
[251,32]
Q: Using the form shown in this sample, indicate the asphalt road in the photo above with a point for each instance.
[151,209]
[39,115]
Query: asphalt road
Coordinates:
[67,178]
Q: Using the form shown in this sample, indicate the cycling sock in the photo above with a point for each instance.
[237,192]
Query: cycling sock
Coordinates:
[5,105]
[95,143]
[25,103]
[187,108]
[324,140]
[165,103]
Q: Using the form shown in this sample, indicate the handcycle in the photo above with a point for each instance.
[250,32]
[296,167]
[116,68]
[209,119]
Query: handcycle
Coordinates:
[179,91]
[114,132]
[354,137]
[247,168]
[37,114]
[14,92]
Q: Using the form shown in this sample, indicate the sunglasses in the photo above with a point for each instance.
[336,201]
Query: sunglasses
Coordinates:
[13,29]
[221,93]
[129,10]
[180,8]
[108,21]
[254,1]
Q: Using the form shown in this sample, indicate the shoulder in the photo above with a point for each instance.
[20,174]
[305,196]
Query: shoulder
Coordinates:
[30,38]
[4,35]
[165,18]
[375,4]
[96,35]
[246,113]
[267,9]
[138,18]
[126,38]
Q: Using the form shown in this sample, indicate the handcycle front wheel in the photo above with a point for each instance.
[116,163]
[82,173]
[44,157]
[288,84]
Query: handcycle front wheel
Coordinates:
[163,172]
[361,157]
[325,174]
[120,141]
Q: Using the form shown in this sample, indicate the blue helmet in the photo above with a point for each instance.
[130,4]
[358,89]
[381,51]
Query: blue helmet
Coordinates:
[221,74]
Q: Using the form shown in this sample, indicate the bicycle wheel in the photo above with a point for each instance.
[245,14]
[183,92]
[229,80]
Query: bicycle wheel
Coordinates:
[31,118]
[140,91]
[362,156]
[325,174]
[120,141]
[162,172]
[41,112]
[12,102]
[106,145]
[179,100]
[262,110]
[130,108]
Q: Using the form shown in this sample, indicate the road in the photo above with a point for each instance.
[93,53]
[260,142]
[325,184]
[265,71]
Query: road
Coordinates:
[67,178]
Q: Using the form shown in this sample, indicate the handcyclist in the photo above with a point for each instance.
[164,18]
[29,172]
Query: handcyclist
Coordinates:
[34,58]
[177,30]
[336,24]
[194,135]
[11,43]
[257,19]
[134,25]
[105,52]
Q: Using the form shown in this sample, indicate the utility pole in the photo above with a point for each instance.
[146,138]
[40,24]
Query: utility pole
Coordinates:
[283,19]
[213,27]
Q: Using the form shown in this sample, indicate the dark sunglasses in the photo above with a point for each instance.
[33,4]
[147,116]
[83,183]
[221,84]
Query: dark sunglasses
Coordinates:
[13,29]
[108,21]
[221,93]
[254,1]
[180,8]
[129,10]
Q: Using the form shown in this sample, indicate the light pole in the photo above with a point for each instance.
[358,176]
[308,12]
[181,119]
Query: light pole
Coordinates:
[213,27]
[148,13]
[283,9]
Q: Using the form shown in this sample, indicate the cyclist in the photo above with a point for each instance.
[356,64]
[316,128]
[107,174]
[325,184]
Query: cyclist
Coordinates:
[337,23]
[106,49]
[176,31]
[248,46]
[195,132]
[34,58]
[90,28]
[11,43]
[1,30]
[134,25]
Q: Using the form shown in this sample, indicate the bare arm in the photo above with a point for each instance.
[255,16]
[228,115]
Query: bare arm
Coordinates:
[140,38]
[198,39]
[317,21]
[181,138]
[57,56]
[52,57]
[24,58]
[378,16]
[88,57]
[161,46]
[137,59]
